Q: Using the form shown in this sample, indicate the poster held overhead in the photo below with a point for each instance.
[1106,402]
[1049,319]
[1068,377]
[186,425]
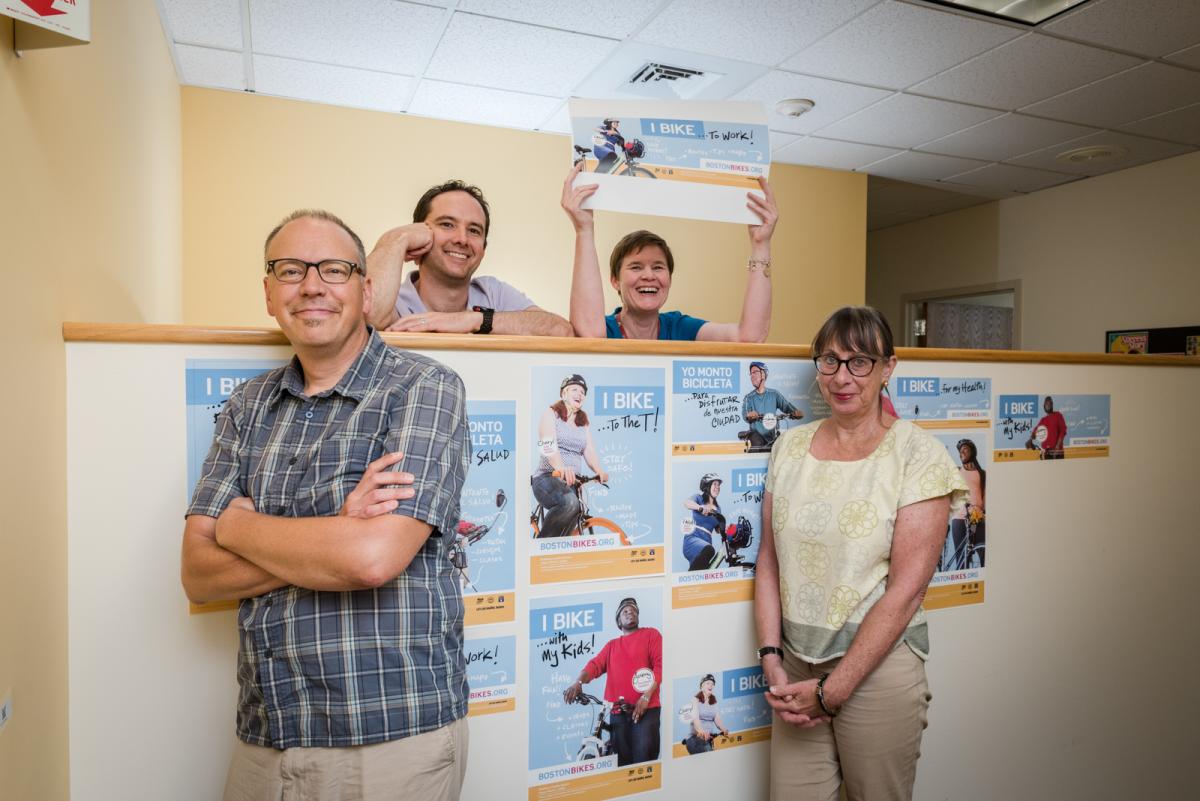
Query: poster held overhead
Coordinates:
[675,159]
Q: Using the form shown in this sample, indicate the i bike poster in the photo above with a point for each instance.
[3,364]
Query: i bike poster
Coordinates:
[936,402]
[484,548]
[597,439]
[960,578]
[1032,428]
[719,709]
[590,740]
[491,673]
[715,510]
[740,406]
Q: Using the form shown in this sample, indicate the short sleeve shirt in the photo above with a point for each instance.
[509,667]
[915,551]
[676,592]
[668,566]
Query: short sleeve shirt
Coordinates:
[671,325]
[347,668]
[833,524]
[483,291]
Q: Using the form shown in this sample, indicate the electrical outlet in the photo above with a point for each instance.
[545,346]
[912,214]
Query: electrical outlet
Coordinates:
[5,710]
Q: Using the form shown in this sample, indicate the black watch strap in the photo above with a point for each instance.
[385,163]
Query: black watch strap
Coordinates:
[488,314]
[769,649]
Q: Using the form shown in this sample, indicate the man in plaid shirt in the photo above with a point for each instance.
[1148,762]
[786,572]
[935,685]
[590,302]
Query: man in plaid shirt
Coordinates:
[350,666]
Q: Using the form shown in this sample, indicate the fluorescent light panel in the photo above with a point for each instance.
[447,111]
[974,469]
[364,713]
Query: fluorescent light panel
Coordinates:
[1027,12]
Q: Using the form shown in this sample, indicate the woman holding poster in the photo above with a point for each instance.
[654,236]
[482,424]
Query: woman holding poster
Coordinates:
[854,518]
[640,270]
[565,442]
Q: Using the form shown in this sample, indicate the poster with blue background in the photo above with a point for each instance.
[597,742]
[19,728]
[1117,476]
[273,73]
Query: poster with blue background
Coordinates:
[937,402]
[728,700]
[723,406]
[484,550]
[569,751]
[209,384]
[618,529]
[1049,427]
[491,673]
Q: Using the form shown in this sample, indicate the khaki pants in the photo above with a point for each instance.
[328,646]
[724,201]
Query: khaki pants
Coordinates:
[871,746]
[429,767]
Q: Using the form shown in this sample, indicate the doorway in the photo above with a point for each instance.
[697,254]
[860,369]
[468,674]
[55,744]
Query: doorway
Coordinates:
[974,317]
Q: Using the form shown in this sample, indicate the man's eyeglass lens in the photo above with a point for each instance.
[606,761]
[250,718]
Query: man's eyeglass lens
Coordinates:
[857,365]
[293,271]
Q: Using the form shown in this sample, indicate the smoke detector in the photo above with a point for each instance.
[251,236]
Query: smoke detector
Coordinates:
[1093,154]
[794,107]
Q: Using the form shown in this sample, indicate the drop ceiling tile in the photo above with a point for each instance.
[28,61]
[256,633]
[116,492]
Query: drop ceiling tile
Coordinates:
[559,121]
[1150,28]
[834,99]
[324,83]
[1188,58]
[761,31]
[567,15]
[509,55]
[452,101]
[1007,178]
[1181,125]
[905,121]
[213,23]
[912,166]
[1024,71]
[1141,151]
[383,35]
[1005,137]
[1140,92]
[830,153]
[896,45]
[206,66]
[780,140]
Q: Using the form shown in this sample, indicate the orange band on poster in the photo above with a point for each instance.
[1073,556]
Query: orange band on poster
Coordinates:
[689,174]
[615,563]
[961,423]
[719,592]
[622,781]
[1027,455]
[496,607]
[735,739]
[211,606]
[490,707]
[948,595]
[708,448]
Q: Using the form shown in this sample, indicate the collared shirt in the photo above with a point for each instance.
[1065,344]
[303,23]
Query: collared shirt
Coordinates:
[347,668]
[769,401]
[484,291]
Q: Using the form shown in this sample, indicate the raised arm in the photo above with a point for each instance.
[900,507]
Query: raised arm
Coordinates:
[385,268]
[755,323]
[587,288]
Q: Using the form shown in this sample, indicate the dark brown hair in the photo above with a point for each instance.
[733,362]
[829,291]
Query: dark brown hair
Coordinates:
[634,242]
[560,409]
[861,329]
[421,212]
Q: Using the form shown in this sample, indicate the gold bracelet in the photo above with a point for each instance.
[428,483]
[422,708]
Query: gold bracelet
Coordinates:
[760,264]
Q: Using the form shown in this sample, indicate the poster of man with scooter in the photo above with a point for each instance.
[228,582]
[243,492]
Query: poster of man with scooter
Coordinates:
[731,407]
[597,440]
[484,547]
[595,675]
[716,506]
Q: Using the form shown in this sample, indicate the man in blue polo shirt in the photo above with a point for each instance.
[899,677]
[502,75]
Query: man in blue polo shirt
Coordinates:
[350,662]
[762,408]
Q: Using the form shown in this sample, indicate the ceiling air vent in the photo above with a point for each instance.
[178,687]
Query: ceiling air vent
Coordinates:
[654,79]
[1096,154]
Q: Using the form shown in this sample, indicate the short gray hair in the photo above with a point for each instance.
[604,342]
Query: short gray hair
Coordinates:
[320,214]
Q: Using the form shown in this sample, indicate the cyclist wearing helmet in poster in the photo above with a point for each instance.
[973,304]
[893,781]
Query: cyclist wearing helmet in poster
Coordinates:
[698,547]
[606,142]
[762,408]
[565,443]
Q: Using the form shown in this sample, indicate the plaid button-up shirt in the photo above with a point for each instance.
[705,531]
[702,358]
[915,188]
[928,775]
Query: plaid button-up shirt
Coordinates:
[347,668]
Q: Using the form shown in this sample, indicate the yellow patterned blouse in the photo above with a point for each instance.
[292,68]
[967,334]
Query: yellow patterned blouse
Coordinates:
[833,525]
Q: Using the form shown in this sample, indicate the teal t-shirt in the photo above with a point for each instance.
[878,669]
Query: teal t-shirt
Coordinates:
[671,325]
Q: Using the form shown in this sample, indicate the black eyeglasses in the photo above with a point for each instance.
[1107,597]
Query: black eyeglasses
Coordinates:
[293,271]
[858,366]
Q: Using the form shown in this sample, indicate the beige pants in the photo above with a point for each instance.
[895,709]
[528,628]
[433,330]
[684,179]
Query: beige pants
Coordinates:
[429,767]
[871,746]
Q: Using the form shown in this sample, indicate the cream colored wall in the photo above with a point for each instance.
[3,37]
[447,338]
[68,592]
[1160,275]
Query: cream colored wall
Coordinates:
[90,224]
[249,160]
[1116,251]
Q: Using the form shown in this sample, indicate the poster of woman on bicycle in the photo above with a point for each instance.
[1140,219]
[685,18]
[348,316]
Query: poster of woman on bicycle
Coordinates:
[960,575]
[595,675]
[723,709]
[484,547]
[728,407]
[718,506]
[690,159]
[598,436]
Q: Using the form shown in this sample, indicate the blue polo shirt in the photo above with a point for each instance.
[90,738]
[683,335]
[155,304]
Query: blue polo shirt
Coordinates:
[671,325]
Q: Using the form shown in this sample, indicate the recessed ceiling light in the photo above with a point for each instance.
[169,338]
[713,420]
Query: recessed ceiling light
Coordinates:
[1027,12]
[1094,154]
[794,107]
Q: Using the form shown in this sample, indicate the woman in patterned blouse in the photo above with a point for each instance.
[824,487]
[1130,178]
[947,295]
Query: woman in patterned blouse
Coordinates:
[854,517]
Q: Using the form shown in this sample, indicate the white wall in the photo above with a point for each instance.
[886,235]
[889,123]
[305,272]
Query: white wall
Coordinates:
[1075,679]
[1117,251]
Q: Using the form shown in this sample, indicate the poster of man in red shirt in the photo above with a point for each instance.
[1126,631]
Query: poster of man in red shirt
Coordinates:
[1050,433]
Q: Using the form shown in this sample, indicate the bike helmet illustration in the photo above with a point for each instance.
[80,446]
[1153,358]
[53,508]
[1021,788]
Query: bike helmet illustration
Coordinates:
[624,603]
[635,149]
[707,480]
[708,677]
[760,365]
[573,378]
[610,121]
